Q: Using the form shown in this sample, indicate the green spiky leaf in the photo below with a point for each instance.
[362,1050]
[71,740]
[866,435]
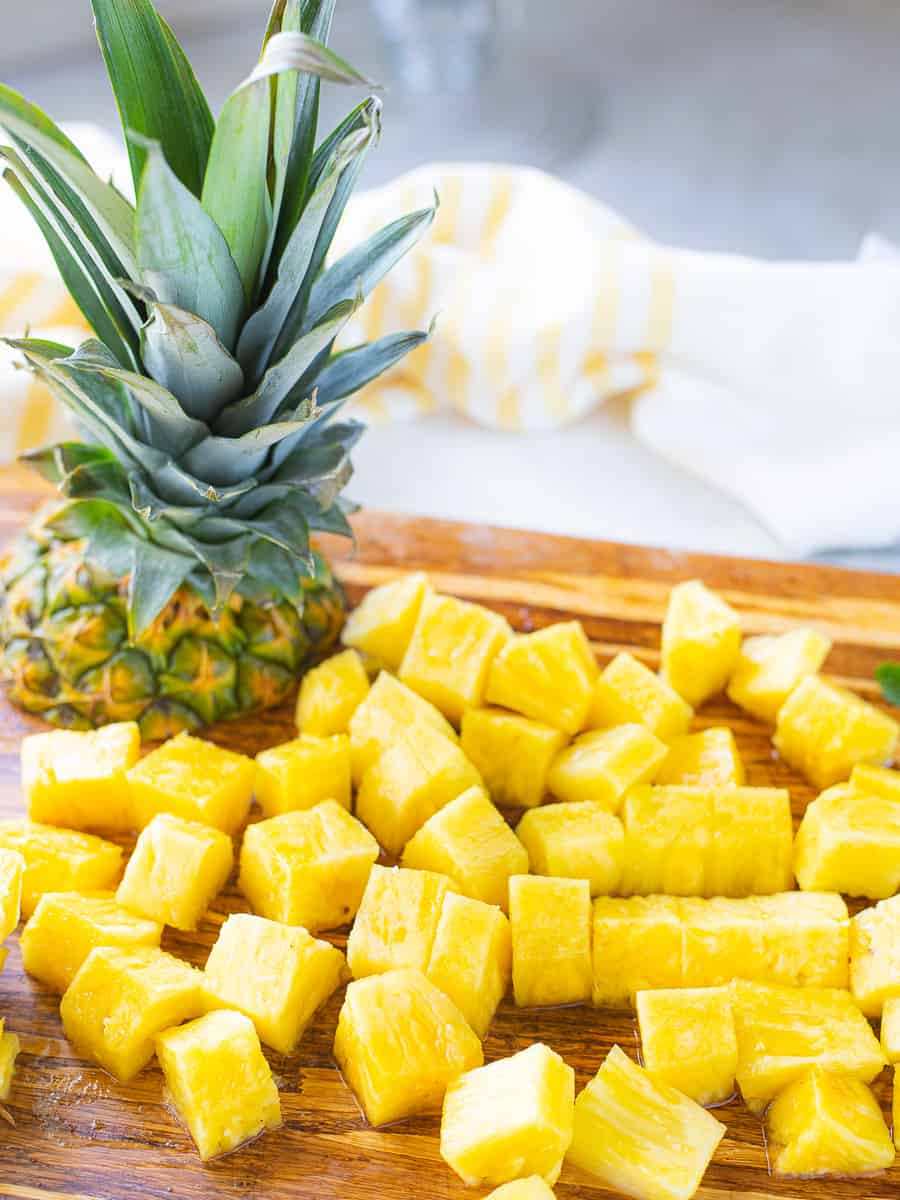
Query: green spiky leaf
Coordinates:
[352,369]
[888,676]
[156,575]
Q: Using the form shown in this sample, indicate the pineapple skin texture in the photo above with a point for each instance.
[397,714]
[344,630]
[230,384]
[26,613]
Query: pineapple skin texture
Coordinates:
[532,1188]
[548,676]
[303,773]
[575,841]
[471,958]
[769,668]
[397,921]
[602,765]
[60,860]
[389,710]
[706,759]
[330,694]
[628,693]
[551,940]
[849,841]
[875,955]
[12,872]
[9,1051]
[688,1041]
[382,624]
[511,753]
[78,781]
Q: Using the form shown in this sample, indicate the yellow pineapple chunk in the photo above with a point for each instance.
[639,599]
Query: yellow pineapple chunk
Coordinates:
[469,841]
[637,945]
[121,999]
[219,1081]
[512,754]
[389,712]
[381,626]
[400,1041]
[548,676]
[177,869]
[688,1040]
[826,1123]
[330,694]
[701,639]
[471,958]
[640,1136]
[876,781]
[575,841]
[307,868]
[277,975]
[602,765]
[890,1029]
[825,731]
[60,860]
[77,780]
[628,693]
[551,940]
[706,759]
[875,955]
[769,668]
[510,1119]
[12,872]
[397,920]
[194,780]
[303,773]
[67,926]
[849,841]
[532,1188]
[9,1050]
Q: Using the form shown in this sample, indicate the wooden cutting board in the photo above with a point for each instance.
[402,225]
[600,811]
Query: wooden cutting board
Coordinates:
[78,1133]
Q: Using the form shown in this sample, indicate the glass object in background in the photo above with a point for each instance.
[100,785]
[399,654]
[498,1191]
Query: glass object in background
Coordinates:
[437,45]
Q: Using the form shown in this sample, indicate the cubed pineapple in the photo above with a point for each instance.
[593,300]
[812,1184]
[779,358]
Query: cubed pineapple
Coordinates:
[397,920]
[551,940]
[827,1124]
[575,841]
[120,1000]
[628,693]
[471,958]
[194,780]
[60,860]
[176,871]
[602,765]
[876,781]
[849,841]
[548,675]
[303,773]
[219,1081]
[512,754]
[890,1029]
[701,640]
[706,759]
[400,1041]
[510,1119]
[769,668]
[532,1188]
[12,872]
[381,626]
[388,712]
[9,1051]
[825,731]
[640,1136]
[330,694]
[469,841]
[307,868]
[875,955]
[77,780]
[688,1040]
[637,945]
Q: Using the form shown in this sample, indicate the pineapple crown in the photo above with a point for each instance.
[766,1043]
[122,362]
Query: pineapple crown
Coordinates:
[207,400]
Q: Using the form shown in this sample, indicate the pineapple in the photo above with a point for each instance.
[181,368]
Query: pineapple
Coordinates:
[551,940]
[688,1041]
[177,869]
[330,694]
[78,780]
[876,781]
[194,780]
[575,841]
[548,676]
[307,868]
[602,765]
[9,1051]
[60,860]
[12,872]
[303,773]
[389,712]
[849,841]
[875,955]
[640,1136]
[890,1029]
[769,668]
[628,693]
[471,958]
[510,1119]
[512,754]
[701,640]
[706,759]
[400,1041]
[381,627]
[637,944]
[219,1081]
[397,921]
[532,1188]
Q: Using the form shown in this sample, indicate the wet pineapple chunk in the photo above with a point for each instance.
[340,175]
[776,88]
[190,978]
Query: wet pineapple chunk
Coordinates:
[706,759]
[9,1050]
[849,841]
[308,867]
[219,1081]
[388,712]
[12,872]
[77,780]
[876,781]
[397,920]
[701,640]
[637,945]
[510,1119]
[548,676]
[330,694]
[60,860]
[532,1188]
[875,955]
[511,753]
[303,773]
[400,1041]
[890,1029]
[688,1040]
[471,958]
[602,765]
[470,842]
[827,1124]
[381,626]
[551,939]
[121,999]
[769,668]
[628,693]
[575,841]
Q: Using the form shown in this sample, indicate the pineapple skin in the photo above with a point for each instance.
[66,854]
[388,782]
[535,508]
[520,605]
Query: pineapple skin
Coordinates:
[12,872]
[688,1041]
[60,860]
[194,780]
[78,780]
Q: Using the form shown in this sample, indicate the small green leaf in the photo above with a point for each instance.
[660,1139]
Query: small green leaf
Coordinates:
[156,575]
[888,676]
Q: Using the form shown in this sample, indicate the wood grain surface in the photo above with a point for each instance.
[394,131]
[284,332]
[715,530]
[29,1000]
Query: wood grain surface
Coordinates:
[80,1134]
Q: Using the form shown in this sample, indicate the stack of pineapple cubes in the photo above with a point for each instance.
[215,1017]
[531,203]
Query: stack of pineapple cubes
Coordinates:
[642,873]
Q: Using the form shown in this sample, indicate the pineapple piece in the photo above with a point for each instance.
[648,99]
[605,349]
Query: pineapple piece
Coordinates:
[9,1051]
[688,1041]
[471,958]
[512,754]
[628,693]
[769,668]
[827,1124]
[706,759]
[637,945]
[330,694]
[12,872]
[875,955]
[303,773]
[876,781]
[640,1136]
[77,780]
[176,871]
[701,640]
[551,940]
[400,1041]
[381,626]
[575,841]
[469,841]
[60,860]
[532,1188]
[121,999]
[388,712]
[849,841]
[510,1119]
[194,780]
[890,1029]
[602,765]
[397,921]
[548,675]
[307,868]
[219,1081]
[825,731]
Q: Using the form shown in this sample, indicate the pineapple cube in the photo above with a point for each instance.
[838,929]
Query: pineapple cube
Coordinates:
[397,921]
[9,1050]
[701,640]
[827,1124]
[706,759]
[628,693]
[510,1119]
[602,765]
[400,1041]
[548,675]
[330,694]
[381,626]
[551,940]
[688,1040]
[12,872]
[532,1188]
[307,868]
[77,780]
[60,860]
[875,955]
[575,841]
[470,842]
[303,773]
[849,841]
[121,999]
[769,668]
[219,1081]
[512,753]
[471,958]
[388,712]
[637,945]
[876,781]
[277,975]
[825,731]
[194,780]
[640,1136]
[177,869]
[67,926]
[890,1029]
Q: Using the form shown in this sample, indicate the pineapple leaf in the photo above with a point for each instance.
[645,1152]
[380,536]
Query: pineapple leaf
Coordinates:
[888,676]
[284,524]
[352,369]
[295,51]
[156,575]
[226,562]
[79,470]
[276,569]
[229,460]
